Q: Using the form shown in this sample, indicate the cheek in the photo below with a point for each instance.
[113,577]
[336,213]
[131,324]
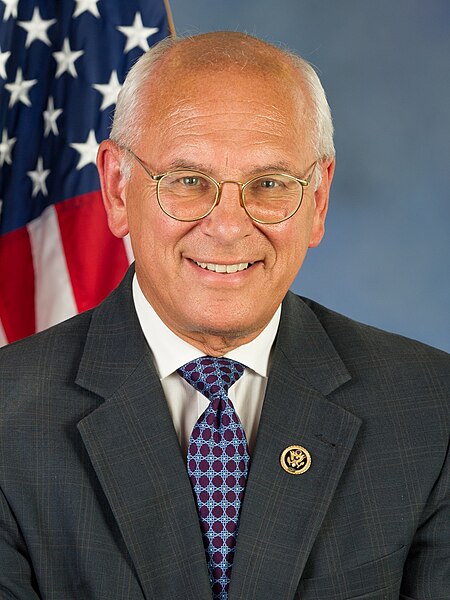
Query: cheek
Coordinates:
[155,237]
[142,211]
[292,240]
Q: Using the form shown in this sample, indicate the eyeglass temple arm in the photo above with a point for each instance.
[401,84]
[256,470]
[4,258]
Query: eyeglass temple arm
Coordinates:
[307,181]
[141,162]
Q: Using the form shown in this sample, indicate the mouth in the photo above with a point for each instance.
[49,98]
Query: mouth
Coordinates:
[217,268]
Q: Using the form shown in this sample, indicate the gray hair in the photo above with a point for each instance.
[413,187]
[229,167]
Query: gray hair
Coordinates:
[126,127]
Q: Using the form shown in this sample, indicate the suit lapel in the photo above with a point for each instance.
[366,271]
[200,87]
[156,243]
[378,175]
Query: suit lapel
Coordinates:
[136,456]
[282,513]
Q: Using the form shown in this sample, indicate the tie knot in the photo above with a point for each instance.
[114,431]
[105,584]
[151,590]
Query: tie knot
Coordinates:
[211,376]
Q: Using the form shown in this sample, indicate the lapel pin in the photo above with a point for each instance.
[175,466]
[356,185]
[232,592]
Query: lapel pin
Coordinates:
[295,460]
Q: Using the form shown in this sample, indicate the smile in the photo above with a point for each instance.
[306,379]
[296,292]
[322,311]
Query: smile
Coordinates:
[223,268]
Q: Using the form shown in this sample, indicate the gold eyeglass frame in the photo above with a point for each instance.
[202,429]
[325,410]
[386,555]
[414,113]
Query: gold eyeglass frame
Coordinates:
[218,184]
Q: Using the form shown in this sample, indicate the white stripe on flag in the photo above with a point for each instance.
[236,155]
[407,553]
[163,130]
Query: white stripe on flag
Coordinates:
[54,299]
[128,248]
[3,340]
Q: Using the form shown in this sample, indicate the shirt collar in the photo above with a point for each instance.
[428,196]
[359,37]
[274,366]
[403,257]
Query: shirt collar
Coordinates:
[170,351]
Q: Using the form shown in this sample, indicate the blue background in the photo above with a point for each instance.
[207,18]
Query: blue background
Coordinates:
[385,66]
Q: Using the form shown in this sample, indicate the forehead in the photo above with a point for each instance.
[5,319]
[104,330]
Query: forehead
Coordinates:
[227,102]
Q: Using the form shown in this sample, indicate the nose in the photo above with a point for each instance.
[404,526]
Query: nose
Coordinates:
[228,221]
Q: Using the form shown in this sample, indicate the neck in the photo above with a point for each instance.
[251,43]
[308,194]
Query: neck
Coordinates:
[216,344]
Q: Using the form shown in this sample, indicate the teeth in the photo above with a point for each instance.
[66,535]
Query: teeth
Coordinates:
[224,268]
[217,268]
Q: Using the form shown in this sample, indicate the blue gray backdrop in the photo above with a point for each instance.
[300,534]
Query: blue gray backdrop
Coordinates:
[385,65]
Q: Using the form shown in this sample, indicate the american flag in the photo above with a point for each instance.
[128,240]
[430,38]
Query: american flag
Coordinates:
[61,66]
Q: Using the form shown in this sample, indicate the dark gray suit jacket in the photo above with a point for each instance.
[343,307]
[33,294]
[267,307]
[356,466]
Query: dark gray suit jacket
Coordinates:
[95,502]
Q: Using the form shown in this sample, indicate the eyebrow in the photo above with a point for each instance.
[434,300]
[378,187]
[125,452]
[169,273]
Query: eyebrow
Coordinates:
[184,164]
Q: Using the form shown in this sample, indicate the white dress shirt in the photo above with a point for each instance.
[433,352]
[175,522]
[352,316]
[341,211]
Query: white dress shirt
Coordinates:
[186,404]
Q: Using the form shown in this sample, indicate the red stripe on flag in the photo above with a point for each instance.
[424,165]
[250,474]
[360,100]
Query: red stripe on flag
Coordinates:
[96,260]
[17,311]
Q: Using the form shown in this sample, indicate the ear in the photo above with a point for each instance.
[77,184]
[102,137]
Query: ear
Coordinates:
[321,196]
[113,185]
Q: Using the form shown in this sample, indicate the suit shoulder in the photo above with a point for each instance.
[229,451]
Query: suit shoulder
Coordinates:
[389,373]
[356,339]
[37,379]
[56,345]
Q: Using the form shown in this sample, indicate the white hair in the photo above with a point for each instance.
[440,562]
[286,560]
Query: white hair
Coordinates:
[126,128]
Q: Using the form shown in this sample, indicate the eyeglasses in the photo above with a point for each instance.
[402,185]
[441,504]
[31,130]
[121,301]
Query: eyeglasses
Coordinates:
[188,195]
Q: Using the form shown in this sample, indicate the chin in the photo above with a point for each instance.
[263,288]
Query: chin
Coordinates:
[229,326]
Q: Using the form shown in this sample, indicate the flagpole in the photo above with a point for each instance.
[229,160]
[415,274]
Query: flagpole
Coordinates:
[170,22]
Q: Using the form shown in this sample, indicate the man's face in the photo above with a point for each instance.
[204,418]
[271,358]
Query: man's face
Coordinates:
[232,126]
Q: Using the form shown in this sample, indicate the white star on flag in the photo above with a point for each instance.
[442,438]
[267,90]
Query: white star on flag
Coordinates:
[38,177]
[87,150]
[66,59]
[20,89]
[50,116]
[137,34]
[6,146]
[3,59]
[84,5]
[11,9]
[36,28]
[109,90]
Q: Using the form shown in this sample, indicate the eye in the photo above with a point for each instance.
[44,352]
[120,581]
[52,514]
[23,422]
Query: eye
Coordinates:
[187,180]
[190,180]
[269,183]
[185,183]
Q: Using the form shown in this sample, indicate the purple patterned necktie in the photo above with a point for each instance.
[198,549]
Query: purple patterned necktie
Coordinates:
[217,464]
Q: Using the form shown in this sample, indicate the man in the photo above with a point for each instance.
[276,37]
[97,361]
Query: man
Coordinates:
[219,166]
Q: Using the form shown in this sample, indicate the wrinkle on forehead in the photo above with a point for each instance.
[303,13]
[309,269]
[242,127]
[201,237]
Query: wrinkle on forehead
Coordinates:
[184,109]
[203,97]
[193,119]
